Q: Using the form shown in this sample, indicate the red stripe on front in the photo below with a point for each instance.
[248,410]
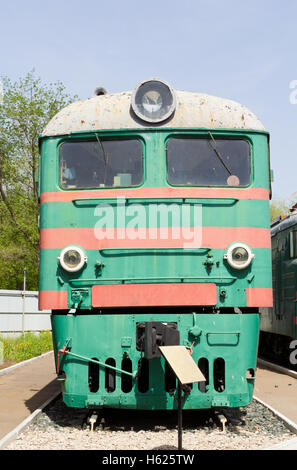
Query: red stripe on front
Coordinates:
[245,193]
[53,300]
[140,295]
[259,297]
[212,237]
[221,237]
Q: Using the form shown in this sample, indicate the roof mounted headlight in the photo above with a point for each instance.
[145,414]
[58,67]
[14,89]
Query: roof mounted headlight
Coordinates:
[239,255]
[153,100]
[72,258]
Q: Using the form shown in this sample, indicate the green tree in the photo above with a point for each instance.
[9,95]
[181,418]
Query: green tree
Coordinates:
[27,106]
[278,207]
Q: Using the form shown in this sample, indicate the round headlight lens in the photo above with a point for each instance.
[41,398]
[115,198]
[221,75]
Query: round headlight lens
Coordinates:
[72,258]
[153,100]
[239,256]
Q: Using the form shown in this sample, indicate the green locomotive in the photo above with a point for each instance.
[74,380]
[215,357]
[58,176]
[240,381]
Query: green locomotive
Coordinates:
[154,228]
[279,324]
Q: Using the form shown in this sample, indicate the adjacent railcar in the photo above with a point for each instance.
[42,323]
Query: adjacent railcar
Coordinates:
[279,324]
[154,228]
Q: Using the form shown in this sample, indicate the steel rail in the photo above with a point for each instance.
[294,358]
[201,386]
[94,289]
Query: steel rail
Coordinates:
[277,368]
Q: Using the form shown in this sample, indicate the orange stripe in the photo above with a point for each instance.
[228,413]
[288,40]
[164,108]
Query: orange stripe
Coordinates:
[259,297]
[244,193]
[212,237]
[221,237]
[139,295]
[53,300]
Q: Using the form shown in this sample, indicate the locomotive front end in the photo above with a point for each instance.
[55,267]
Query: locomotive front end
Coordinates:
[154,231]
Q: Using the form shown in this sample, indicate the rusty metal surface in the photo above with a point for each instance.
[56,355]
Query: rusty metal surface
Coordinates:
[114,112]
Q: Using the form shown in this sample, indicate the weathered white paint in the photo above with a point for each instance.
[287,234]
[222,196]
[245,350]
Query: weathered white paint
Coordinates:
[114,112]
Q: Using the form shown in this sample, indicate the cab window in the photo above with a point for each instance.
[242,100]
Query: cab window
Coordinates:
[101,163]
[208,162]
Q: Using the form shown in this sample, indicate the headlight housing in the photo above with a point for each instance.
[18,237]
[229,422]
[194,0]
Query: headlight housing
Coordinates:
[153,100]
[72,258]
[239,255]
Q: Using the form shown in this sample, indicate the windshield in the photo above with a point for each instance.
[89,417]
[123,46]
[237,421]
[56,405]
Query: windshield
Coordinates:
[208,161]
[101,163]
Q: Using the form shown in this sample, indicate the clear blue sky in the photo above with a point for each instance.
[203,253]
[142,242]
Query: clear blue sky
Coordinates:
[245,51]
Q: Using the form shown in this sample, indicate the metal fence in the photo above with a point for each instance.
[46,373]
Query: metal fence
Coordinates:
[19,312]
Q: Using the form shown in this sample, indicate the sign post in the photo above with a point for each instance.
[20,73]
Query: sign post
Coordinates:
[186,371]
[24,303]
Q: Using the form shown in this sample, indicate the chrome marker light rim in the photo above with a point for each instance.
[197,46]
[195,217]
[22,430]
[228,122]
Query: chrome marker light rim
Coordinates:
[165,102]
[79,265]
[230,253]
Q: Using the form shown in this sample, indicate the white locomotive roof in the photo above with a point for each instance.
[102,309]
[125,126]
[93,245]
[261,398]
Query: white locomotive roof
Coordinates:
[114,112]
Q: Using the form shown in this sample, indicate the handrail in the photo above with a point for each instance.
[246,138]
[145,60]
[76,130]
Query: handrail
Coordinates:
[166,249]
[65,352]
[154,280]
[126,200]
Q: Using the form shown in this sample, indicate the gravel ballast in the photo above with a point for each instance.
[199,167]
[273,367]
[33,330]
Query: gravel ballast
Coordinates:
[59,427]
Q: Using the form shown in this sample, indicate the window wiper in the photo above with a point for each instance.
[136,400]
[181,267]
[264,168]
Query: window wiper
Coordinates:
[104,156]
[218,153]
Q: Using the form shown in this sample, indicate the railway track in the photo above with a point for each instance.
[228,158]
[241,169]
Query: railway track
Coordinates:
[277,367]
[54,426]
[276,386]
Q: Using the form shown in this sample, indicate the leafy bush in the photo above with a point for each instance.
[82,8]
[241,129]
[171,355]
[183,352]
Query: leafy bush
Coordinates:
[26,346]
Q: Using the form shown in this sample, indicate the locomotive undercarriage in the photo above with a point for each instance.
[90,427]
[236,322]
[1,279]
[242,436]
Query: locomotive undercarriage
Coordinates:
[104,359]
[275,347]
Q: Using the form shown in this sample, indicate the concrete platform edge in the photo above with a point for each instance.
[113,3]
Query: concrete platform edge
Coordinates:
[12,435]
[290,444]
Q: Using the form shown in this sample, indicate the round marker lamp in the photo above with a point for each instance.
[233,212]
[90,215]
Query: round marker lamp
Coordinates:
[153,100]
[239,256]
[72,258]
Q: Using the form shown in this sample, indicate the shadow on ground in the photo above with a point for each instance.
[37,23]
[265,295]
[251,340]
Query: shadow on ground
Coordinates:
[42,395]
